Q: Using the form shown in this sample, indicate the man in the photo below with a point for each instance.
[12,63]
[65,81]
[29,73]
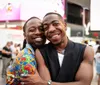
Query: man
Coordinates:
[6,57]
[35,38]
[69,63]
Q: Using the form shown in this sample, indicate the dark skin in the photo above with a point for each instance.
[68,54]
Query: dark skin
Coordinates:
[33,34]
[35,37]
[55,32]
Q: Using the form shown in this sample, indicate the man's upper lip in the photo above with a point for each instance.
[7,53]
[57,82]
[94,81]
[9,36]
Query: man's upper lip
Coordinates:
[36,37]
[52,34]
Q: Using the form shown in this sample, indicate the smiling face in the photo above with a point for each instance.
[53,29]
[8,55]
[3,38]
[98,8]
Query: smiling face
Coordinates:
[33,33]
[55,28]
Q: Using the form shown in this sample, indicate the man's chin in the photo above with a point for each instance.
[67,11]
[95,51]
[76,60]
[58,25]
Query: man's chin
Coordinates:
[56,43]
[39,43]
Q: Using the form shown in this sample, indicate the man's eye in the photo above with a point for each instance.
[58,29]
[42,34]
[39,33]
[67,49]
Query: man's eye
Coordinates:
[55,24]
[45,27]
[41,28]
[32,29]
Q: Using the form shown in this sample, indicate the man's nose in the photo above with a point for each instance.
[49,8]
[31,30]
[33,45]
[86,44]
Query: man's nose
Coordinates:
[51,27]
[38,31]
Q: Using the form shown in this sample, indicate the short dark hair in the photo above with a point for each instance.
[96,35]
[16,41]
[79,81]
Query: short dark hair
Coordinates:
[55,13]
[98,49]
[24,27]
[97,42]
[24,43]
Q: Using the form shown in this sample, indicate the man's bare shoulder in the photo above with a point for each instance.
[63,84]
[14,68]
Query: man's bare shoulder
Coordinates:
[89,54]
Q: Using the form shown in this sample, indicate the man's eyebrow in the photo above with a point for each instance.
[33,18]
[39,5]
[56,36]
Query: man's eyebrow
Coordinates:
[31,26]
[45,24]
[54,21]
[50,22]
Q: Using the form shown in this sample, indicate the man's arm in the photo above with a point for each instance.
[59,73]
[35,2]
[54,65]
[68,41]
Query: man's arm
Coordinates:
[11,72]
[84,74]
[5,52]
[42,69]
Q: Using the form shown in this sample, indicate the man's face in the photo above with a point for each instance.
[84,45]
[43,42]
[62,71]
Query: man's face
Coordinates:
[54,28]
[33,34]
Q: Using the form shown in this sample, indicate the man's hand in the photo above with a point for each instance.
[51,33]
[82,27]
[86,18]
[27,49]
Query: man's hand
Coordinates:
[33,79]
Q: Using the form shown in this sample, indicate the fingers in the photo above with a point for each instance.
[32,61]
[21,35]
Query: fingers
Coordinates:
[30,77]
[25,83]
[26,78]
[36,72]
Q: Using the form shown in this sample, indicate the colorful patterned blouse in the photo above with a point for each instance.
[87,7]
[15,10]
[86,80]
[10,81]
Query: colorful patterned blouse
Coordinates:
[23,64]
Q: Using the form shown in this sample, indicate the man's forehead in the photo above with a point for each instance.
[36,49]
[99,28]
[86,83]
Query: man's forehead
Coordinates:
[50,18]
[34,21]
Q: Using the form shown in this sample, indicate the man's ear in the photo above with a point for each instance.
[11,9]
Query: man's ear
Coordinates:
[65,25]
[24,35]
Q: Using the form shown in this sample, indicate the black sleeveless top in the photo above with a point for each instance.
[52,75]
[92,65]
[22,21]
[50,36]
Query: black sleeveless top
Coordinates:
[73,56]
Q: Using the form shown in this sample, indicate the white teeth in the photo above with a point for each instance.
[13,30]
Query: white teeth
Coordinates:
[38,39]
[55,36]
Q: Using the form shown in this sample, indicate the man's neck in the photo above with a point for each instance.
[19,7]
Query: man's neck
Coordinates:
[62,46]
